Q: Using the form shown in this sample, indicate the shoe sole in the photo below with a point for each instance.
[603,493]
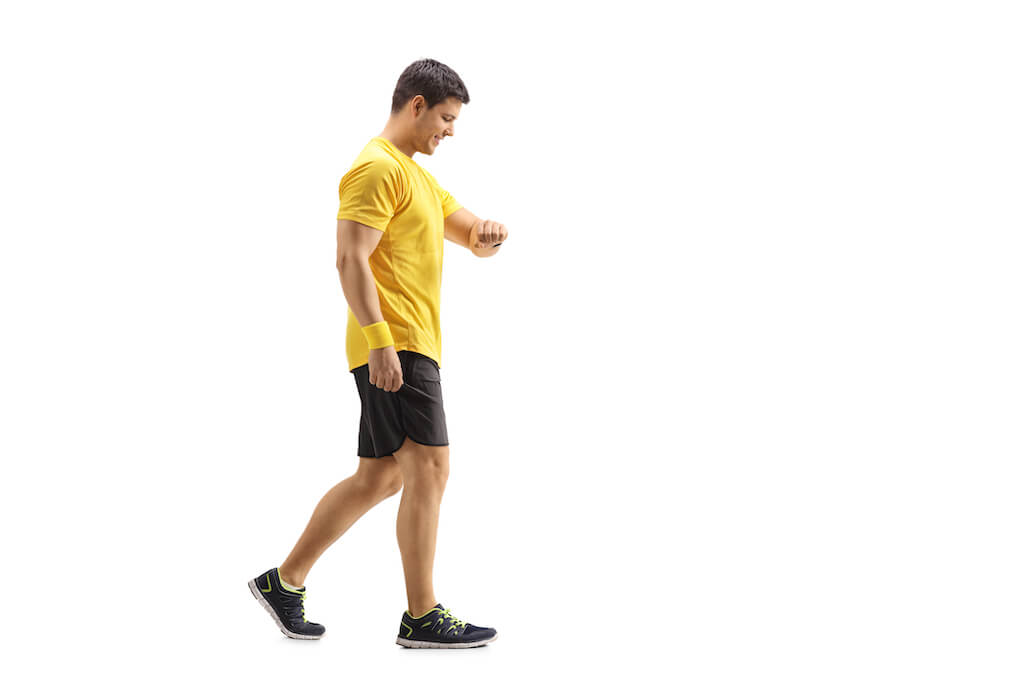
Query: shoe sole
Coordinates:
[426,644]
[256,593]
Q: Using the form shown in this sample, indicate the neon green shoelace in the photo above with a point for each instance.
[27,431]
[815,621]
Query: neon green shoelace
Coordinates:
[290,608]
[446,614]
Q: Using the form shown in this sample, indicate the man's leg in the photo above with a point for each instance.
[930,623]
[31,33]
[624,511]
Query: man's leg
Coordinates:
[375,480]
[424,473]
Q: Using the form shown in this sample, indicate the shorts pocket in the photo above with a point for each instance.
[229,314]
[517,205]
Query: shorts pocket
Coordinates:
[424,370]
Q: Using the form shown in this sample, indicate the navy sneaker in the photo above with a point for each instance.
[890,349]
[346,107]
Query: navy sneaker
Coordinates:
[439,629]
[285,606]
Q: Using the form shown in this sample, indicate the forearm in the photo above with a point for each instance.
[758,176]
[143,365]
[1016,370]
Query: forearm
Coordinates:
[360,290]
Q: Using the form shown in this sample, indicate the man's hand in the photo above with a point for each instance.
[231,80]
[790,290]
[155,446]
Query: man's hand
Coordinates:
[487,234]
[385,369]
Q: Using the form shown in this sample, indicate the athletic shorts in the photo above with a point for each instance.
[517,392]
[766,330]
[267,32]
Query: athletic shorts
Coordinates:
[415,410]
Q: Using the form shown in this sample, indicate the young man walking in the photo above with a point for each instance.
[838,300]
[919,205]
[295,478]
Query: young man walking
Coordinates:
[392,223]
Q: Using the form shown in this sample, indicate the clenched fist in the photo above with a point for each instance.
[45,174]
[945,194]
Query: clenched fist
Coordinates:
[386,369]
[487,234]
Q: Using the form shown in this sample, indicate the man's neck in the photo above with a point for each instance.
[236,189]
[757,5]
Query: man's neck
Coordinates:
[399,141]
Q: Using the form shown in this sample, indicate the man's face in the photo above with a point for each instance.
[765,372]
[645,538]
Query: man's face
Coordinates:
[437,123]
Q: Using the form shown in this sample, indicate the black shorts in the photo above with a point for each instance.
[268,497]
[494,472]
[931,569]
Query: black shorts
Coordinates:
[415,410]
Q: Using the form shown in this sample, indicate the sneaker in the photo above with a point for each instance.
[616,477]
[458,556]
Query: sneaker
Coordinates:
[439,629]
[285,606]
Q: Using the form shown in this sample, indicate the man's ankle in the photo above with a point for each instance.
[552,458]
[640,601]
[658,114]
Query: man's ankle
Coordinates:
[289,578]
[420,612]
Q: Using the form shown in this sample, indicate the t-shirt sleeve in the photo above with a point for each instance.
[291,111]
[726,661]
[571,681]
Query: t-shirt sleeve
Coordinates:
[448,203]
[370,194]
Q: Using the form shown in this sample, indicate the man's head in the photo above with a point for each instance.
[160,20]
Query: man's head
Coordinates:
[427,100]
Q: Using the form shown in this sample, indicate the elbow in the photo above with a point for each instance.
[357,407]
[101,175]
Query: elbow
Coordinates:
[346,259]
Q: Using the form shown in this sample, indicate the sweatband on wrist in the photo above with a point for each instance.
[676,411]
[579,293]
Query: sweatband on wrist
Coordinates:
[378,335]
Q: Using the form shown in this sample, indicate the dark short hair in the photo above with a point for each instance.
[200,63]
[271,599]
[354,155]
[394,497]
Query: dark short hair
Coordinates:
[430,78]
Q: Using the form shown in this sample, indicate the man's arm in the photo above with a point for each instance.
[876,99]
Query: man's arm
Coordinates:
[355,244]
[461,228]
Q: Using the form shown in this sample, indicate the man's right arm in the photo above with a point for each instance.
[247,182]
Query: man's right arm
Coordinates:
[355,244]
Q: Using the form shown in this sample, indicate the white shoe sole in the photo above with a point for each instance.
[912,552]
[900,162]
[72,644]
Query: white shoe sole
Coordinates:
[257,593]
[425,644]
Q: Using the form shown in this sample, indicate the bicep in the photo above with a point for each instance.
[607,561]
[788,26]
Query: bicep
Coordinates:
[458,227]
[356,240]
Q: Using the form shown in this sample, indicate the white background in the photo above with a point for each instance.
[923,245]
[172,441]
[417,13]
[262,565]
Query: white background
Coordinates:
[740,399]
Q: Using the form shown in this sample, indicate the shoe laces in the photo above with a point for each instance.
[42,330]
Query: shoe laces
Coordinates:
[294,609]
[447,616]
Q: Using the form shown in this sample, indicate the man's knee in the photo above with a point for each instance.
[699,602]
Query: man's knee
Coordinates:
[423,464]
[381,476]
[392,485]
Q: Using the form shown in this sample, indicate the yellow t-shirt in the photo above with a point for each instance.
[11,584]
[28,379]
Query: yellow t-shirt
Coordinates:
[387,190]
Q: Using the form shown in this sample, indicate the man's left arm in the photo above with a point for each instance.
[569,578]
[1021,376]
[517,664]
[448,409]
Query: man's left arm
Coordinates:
[481,237]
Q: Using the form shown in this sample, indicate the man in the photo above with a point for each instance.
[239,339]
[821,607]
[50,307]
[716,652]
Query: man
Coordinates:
[392,223]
